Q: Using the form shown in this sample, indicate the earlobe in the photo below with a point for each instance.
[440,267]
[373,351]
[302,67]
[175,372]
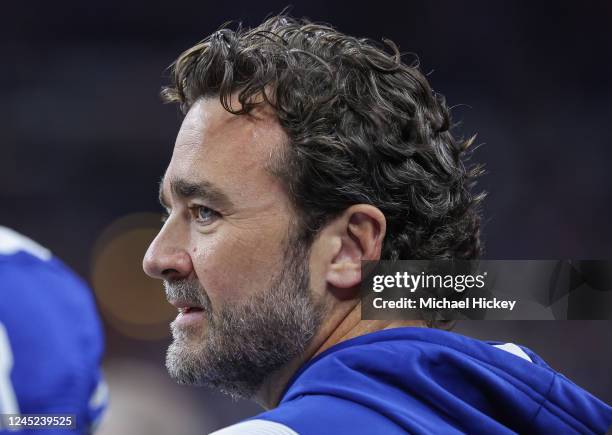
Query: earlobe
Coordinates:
[345,269]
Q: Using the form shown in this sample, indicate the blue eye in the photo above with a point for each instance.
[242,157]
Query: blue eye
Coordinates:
[204,215]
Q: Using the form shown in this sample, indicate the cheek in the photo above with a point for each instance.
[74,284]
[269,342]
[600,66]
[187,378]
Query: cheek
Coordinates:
[321,255]
[231,268]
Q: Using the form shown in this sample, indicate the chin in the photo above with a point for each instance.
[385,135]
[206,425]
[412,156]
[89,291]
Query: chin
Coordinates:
[181,362]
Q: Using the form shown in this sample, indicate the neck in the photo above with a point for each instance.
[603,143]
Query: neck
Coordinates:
[343,326]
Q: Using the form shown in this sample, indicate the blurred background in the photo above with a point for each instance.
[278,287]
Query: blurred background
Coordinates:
[84,140]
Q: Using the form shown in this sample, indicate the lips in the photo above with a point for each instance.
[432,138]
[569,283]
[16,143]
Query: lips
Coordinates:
[186,307]
[189,314]
[187,310]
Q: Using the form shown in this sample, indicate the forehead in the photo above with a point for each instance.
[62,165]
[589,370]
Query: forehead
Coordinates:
[232,151]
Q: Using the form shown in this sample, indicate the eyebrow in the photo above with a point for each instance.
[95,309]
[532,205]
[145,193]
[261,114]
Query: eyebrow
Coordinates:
[203,189]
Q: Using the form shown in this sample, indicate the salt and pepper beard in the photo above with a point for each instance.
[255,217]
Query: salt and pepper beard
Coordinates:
[242,344]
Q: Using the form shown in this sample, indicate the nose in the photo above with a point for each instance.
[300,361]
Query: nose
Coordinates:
[166,258]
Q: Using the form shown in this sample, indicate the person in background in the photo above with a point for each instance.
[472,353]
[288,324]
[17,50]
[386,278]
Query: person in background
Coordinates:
[51,341]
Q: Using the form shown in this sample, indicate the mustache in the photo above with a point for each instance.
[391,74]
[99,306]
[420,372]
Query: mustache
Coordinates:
[189,292]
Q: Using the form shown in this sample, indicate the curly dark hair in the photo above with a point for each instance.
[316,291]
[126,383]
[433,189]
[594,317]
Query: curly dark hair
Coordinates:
[364,127]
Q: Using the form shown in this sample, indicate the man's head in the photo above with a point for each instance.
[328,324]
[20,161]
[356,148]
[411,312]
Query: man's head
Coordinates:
[303,152]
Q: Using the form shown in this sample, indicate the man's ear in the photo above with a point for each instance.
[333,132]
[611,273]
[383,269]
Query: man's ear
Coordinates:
[359,232]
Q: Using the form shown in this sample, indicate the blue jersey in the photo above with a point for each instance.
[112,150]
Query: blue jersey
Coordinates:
[426,381]
[51,341]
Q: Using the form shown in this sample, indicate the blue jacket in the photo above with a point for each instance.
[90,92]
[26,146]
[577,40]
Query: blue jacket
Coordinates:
[426,381]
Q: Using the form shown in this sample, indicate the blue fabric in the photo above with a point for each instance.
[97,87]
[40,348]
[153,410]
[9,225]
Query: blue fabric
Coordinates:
[55,338]
[426,381]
